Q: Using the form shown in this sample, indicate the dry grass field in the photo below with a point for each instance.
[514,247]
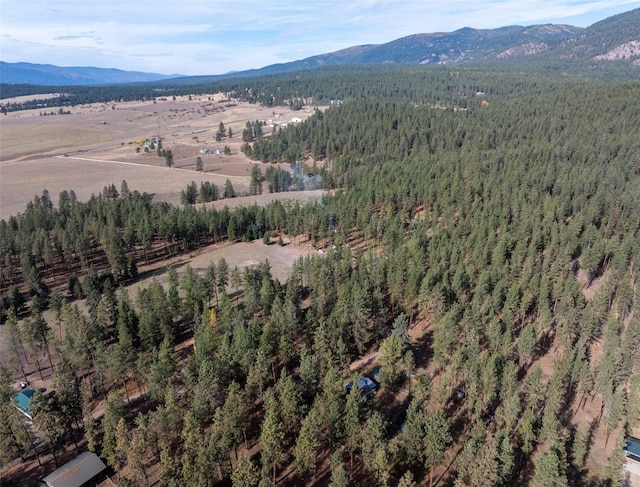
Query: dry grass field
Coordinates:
[96,144]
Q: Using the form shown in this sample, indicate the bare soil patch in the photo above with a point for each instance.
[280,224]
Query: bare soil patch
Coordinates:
[264,199]
[590,289]
[240,254]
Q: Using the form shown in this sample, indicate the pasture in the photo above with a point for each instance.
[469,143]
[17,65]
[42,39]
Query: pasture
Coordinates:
[95,145]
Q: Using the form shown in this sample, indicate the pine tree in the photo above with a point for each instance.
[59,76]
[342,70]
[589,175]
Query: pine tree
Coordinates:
[339,476]
[255,185]
[372,441]
[246,473]
[549,470]
[413,433]
[353,420]
[380,467]
[437,438]
[113,413]
[272,436]
[307,444]
[390,359]
[221,132]
[229,192]
[581,444]
[407,480]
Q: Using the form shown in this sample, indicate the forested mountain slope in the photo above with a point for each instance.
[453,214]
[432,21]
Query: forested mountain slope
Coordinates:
[446,48]
[499,214]
[50,75]
[609,49]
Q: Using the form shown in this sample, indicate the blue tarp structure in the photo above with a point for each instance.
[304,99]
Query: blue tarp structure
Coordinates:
[23,400]
[365,386]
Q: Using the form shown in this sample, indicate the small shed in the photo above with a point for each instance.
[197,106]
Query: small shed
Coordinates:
[365,386]
[23,401]
[83,471]
[632,449]
[375,375]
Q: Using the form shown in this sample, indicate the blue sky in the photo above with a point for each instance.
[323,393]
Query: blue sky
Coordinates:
[214,36]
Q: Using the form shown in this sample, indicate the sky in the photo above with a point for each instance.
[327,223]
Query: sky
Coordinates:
[199,37]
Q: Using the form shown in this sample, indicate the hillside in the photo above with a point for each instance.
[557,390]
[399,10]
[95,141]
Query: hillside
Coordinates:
[459,47]
[47,74]
[609,48]
[462,45]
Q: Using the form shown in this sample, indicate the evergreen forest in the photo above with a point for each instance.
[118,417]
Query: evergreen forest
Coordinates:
[482,240]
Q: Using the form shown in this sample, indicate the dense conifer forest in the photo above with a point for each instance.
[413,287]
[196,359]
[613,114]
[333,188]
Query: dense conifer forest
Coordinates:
[494,215]
[408,83]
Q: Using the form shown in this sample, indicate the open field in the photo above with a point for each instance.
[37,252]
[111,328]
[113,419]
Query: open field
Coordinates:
[25,98]
[239,254]
[96,145]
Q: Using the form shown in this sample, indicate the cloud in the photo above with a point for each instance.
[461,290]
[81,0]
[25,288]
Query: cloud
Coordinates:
[70,37]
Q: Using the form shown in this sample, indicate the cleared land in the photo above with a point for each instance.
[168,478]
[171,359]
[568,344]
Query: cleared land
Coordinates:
[96,144]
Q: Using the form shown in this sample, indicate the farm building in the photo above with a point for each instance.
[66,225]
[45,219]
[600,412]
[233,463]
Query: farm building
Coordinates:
[23,401]
[205,151]
[83,471]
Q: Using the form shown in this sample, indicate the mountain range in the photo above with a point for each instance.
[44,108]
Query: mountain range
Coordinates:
[48,74]
[594,50]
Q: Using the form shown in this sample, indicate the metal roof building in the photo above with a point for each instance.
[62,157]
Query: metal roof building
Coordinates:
[632,448]
[79,472]
[23,400]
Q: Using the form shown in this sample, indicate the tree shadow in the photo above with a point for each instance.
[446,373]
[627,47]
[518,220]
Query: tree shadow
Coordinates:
[423,349]
[155,272]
